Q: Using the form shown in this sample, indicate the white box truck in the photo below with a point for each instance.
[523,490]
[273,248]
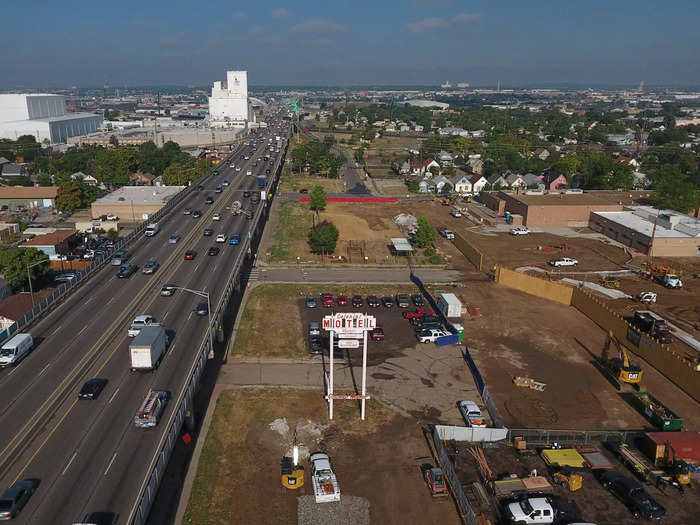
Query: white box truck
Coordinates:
[152,229]
[449,305]
[147,348]
[15,349]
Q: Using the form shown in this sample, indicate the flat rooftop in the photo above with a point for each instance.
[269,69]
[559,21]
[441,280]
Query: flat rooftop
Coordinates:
[562,199]
[140,195]
[641,220]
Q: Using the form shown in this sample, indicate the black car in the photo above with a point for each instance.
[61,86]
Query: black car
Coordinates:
[208,232]
[218,189]
[402,300]
[15,498]
[418,300]
[387,301]
[315,344]
[631,493]
[202,308]
[267,170]
[214,250]
[200,187]
[92,388]
[357,301]
[426,319]
[373,301]
[210,200]
[126,271]
[246,194]
[196,214]
[215,172]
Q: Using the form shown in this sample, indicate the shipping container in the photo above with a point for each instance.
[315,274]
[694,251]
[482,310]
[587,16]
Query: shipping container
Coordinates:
[655,411]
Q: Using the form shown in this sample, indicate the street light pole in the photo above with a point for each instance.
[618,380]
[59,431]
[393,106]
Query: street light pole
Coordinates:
[29,276]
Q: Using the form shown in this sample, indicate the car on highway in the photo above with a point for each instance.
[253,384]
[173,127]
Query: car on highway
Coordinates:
[214,250]
[167,290]
[92,388]
[249,172]
[341,300]
[174,238]
[418,300]
[119,258]
[225,183]
[216,217]
[215,172]
[190,254]
[200,187]
[430,335]
[235,238]
[403,300]
[126,271]
[373,301]
[209,200]
[208,232]
[631,494]
[310,301]
[15,497]
[387,301]
[357,301]
[267,171]
[187,211]
[221,238]
[246,194]
[196,214]
[520,230]
[202,308]
[563,261]
[218,189]
[150,267]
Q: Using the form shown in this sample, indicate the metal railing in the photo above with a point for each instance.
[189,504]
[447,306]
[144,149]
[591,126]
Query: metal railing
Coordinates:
[537,437]
[139,512]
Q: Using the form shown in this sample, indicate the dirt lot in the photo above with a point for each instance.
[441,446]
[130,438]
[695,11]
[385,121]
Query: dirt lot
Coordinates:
[238,479]
[595,503]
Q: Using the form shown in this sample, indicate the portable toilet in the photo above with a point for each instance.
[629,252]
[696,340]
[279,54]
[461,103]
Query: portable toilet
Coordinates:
[460,331]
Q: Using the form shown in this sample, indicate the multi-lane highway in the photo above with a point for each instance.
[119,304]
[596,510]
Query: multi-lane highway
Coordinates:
[88,455]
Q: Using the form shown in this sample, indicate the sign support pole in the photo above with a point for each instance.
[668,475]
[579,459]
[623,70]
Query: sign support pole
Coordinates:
[364,373]
[330,383]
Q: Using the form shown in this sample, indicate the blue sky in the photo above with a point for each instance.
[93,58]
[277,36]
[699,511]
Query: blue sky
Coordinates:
[338,42]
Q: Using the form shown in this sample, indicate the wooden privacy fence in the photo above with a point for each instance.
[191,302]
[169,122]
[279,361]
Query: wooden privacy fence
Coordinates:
[473,255]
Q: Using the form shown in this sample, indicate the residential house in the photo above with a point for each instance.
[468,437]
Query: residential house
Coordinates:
[477,134]
[477,182]
[87,179]
[141,179]
[533,181]
[13,308]
[554,181]
[404,127]
[12,170]
[428,164]
[413,149]
[158,181]
[445,159]
[495,182]
[3,161]
[51,244]
[418,128]
[462,184]
[515,181]
[443,184]
[641,180]
[475,165]
[416,167]
[426,185]
[453,131]
[541,153]
[28,196]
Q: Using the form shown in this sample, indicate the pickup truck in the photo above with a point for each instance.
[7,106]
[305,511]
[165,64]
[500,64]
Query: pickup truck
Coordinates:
[430,335]
[323,479]
[471,414]
[529,510]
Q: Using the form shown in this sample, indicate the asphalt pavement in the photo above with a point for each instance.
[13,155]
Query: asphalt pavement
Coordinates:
[88,454]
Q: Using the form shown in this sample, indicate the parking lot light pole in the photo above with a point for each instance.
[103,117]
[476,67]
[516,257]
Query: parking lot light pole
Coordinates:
[202,293]
[29,275]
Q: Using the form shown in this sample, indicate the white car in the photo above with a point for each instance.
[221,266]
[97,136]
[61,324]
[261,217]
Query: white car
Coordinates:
[238,169]
[232,166]
[216,217]
[471,414]
[563,261]
[520,230]
[647,297]
[430,336]
[530,510]
[139,322]
[456,213]
[111,217]
[249,172]
[221,238]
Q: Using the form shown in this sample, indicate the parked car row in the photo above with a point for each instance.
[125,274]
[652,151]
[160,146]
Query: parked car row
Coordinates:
[327,300]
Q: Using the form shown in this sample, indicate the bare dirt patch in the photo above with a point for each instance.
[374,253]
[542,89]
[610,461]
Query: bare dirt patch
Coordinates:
[238,478]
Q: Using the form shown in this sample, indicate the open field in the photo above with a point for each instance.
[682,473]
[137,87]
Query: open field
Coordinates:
[295,182]
[238,479]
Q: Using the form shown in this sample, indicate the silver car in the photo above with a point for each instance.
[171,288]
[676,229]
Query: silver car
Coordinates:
[150,267]
[174,238]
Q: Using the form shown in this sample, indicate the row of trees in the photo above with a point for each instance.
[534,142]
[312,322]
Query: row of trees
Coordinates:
[318,157]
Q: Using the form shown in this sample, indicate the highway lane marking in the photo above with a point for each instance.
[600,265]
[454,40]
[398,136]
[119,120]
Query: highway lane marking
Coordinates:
[56,330]
[189,316]
[44,369]
[91,298]
[110,463]
[81,331]
[112,299]
[69,462]
[195,268]
[166,315]
[113,396]
[21,472]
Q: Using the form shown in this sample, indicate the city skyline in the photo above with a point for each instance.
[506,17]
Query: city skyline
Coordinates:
[314,44]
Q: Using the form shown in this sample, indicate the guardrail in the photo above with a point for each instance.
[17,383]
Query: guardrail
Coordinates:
[139,512]
[66,289]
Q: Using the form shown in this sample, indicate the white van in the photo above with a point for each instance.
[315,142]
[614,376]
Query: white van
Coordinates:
[152,229]
[15,349]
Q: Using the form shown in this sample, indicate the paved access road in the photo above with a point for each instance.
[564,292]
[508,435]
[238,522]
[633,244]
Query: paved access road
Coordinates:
[88,454]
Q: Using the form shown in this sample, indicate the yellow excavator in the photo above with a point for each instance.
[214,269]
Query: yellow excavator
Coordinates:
[619,368]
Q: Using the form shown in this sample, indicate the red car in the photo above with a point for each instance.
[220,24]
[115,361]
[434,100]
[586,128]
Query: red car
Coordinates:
[420,312]
[341,300]
[190,254]
[377,334]
[327,300]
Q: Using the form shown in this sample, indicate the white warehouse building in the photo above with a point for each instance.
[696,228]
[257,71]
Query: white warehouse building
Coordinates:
[229,105]
[43,116]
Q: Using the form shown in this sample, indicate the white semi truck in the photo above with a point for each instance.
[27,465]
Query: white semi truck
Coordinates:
[147,348]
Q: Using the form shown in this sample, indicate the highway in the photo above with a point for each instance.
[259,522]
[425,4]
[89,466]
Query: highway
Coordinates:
[89,455]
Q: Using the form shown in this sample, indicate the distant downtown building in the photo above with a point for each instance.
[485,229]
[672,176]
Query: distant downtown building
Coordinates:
[229,105]
[43,116]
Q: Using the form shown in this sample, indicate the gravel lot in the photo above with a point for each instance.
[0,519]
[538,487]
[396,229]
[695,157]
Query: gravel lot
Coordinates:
[350,510]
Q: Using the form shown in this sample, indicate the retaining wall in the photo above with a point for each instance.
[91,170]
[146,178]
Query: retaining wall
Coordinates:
[470,252]
[534,285]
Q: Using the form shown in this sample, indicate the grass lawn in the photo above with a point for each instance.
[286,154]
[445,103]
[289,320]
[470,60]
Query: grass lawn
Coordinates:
[293,183]
[294,223]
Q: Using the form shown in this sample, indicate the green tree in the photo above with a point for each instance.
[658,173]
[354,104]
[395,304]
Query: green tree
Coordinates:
[75,194]
[567,165]
[674,190]
[14,262]
[44,179]
[113,167]
[425,234]
[150,159]
[412,185]
[112,233]
[318,198]
[27,147]
[174,175]
[323,238]
[360,155]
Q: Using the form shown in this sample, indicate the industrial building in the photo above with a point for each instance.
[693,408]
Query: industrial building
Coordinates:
[28,196]
[229,105]
[134,203]
[675,235]
[44,117]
